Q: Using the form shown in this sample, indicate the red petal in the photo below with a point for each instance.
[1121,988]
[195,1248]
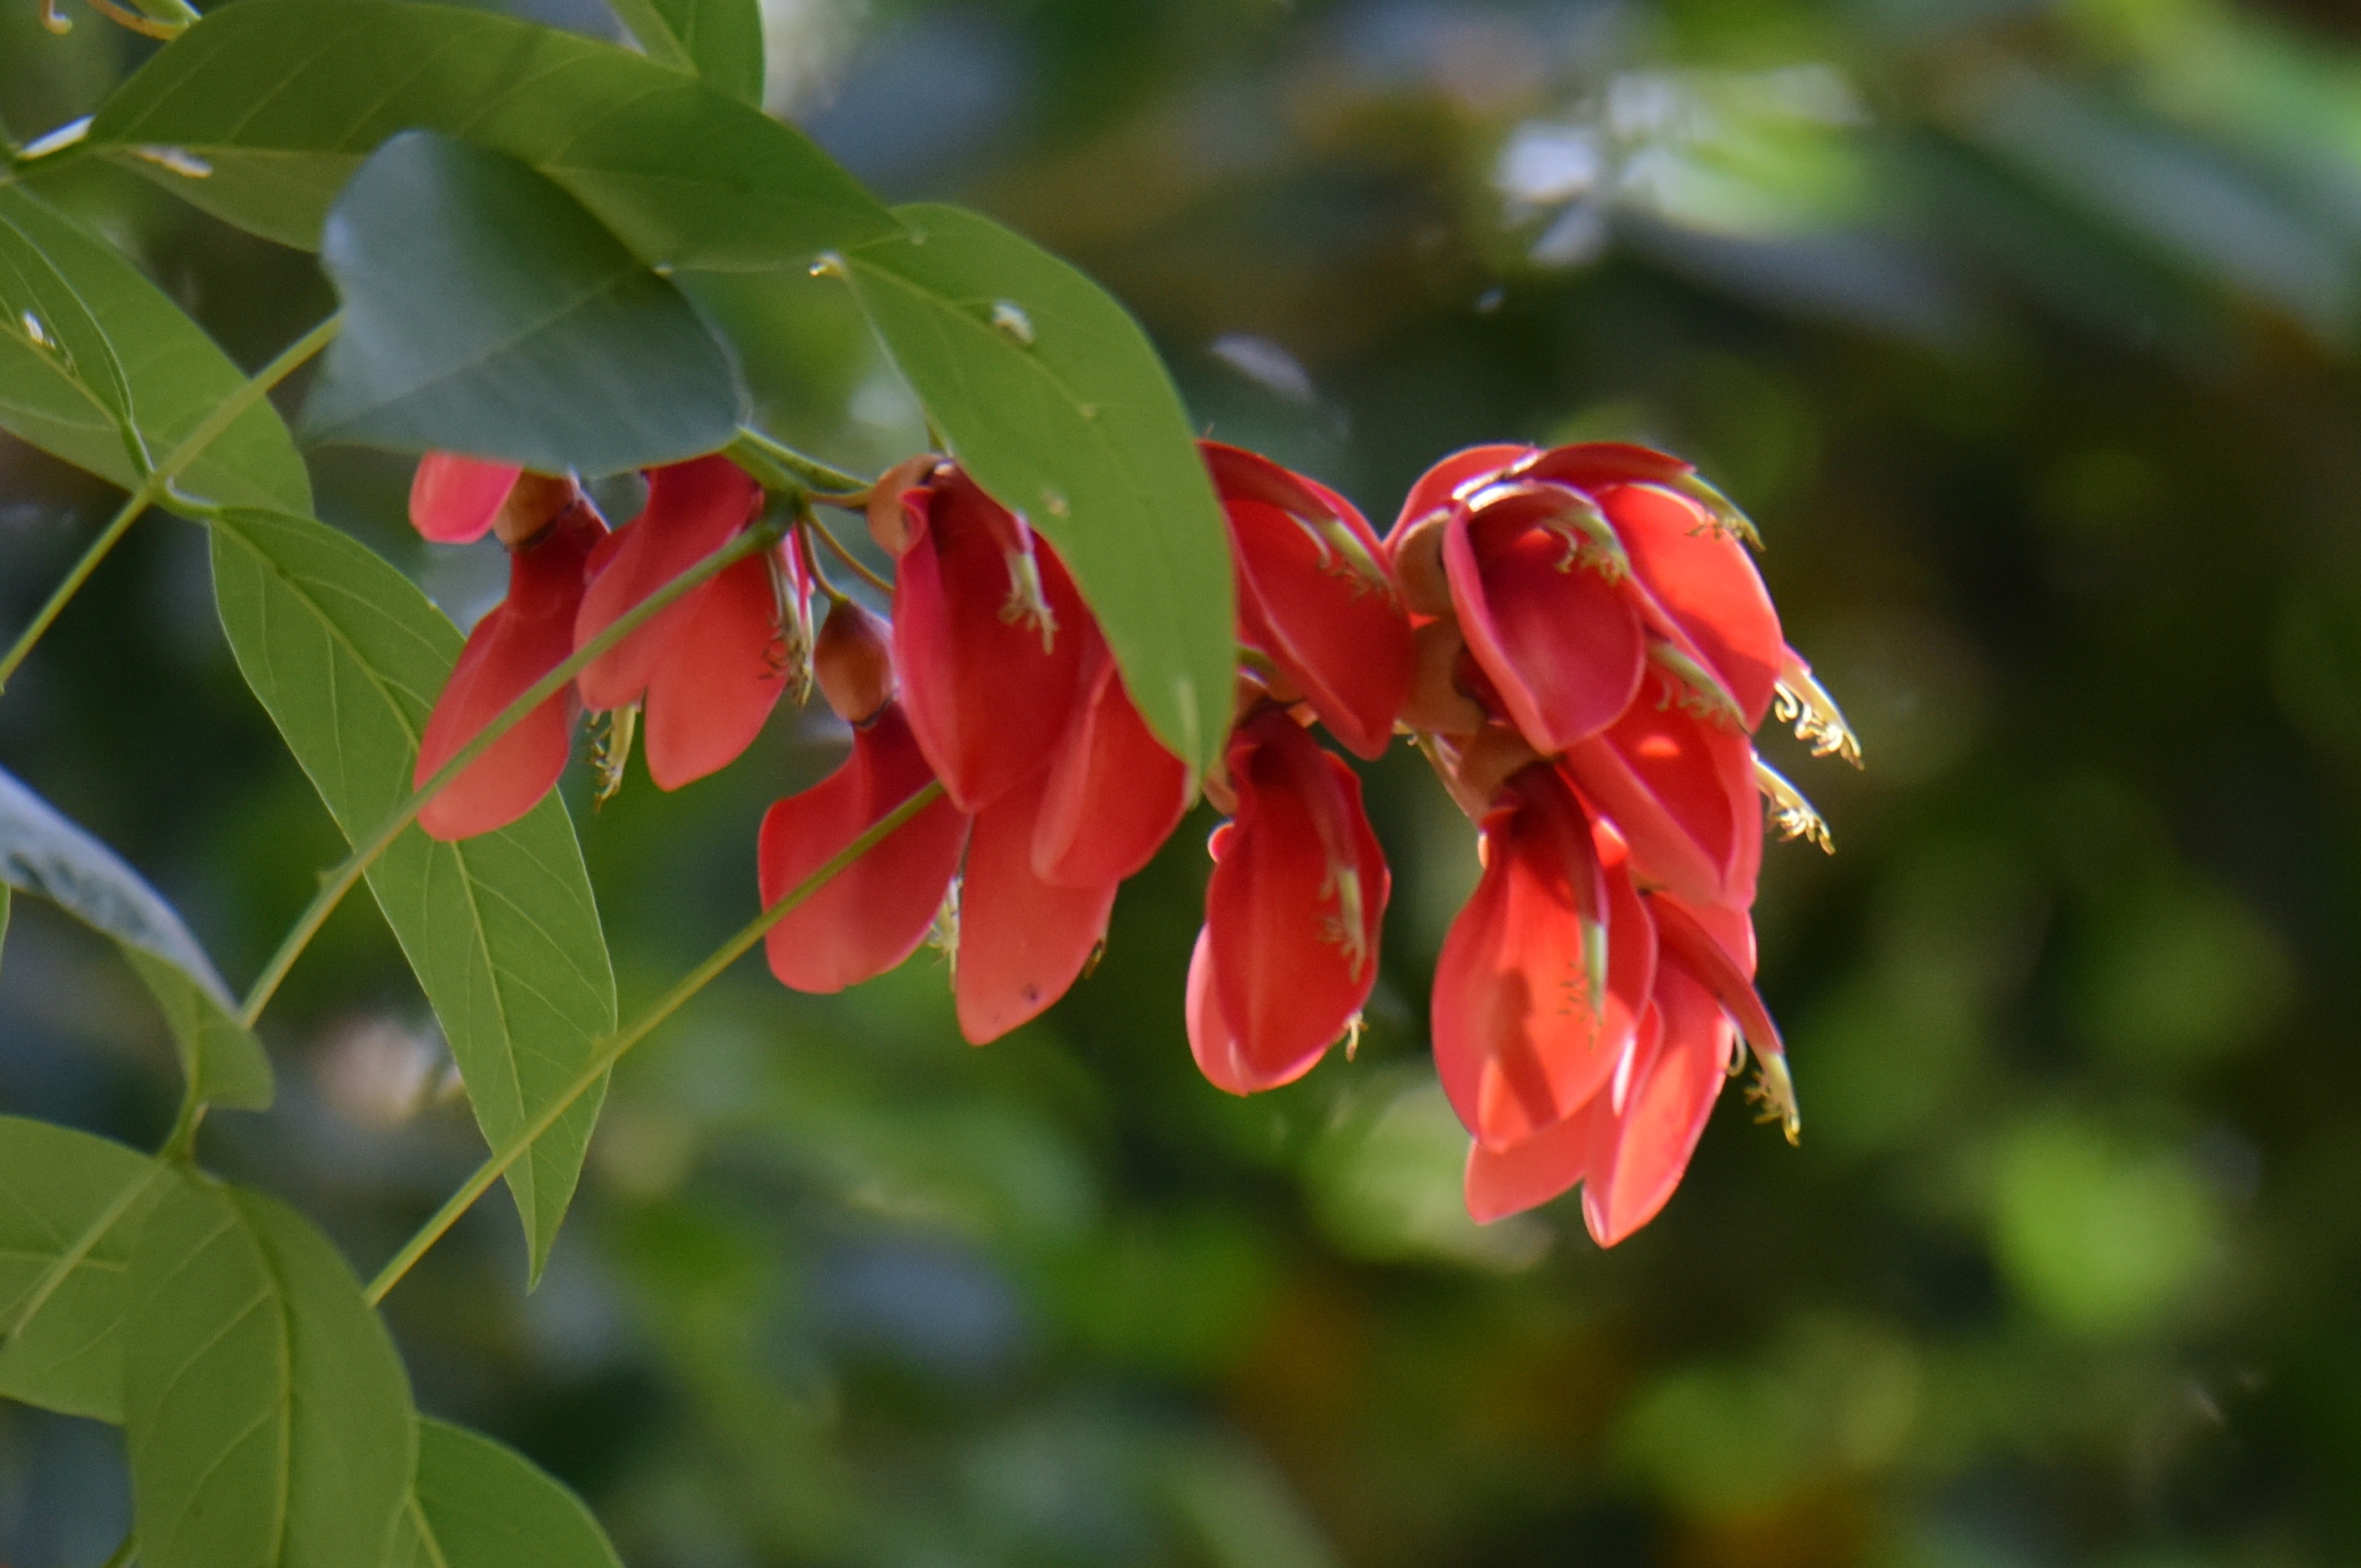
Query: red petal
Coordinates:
[1594,465]
[1438,487]
[1113,794]
[1693,946]
[1681,791]
[453,499]
[875,913]
[717,677]
[1640,1155]
[1317,594]
[1705,580]
[1022,941]
[1518,1041]
[522,640]
[1295,902]
[1500,1182]
[986,699]
[1563,644]
[693,509]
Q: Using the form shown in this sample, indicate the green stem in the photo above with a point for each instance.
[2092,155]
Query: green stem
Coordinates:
[152,488]
[365,853]
[689,984]
[781,467]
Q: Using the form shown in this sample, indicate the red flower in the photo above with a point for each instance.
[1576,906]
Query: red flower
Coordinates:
[875,913]
[1631,1142]
[989,635]
[516,643]
[1542,980]
[1041,864]
[711,666]
[1316,595]
[1288,950]
[1594,648]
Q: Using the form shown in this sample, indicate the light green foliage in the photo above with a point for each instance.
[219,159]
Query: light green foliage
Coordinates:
[1050,393]
[266,1414]
[486,311]
[478,1504]
[280,100]
[71,1208]
[43,852]
[100,369]
[502,929]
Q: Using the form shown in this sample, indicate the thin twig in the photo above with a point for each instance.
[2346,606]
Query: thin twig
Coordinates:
[153,487]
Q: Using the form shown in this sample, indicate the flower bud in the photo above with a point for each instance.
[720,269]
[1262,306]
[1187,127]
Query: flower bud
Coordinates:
[534,502]
[854,661]
[889,525]
[1437,704]
[1418,562]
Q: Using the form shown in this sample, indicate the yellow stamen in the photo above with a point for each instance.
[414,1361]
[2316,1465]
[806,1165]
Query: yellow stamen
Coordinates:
[1723,513]
[1701,693]
[1774,1090]
[610,750]
[1028,603]
[1799,699]
[1790,813]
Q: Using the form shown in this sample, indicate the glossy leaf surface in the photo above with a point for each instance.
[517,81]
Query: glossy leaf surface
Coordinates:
[71,1207]
[502,929]
[267,1416]
[486,313]
[278,101]
[90,349]
[1051,396]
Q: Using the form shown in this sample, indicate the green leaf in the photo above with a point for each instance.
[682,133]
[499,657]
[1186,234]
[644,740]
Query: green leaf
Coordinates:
[501,930]
[482,1505]
[96,363]
[485,312]
[71,1207]
[721,40]
[43,852]
[277,102]
[267,1416]
[1048,392]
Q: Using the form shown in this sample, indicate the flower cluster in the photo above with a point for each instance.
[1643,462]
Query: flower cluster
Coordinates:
[1577,640]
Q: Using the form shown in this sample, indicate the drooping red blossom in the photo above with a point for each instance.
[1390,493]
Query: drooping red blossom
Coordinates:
[1544,976]
[1288,951]
[453,499]
[988,636]
[873,914]
[1316,595]
[709,667]
[1594,647]
[517,643]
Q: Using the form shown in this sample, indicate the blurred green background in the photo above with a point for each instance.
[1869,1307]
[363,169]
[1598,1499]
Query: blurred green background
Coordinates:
[2027,332]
